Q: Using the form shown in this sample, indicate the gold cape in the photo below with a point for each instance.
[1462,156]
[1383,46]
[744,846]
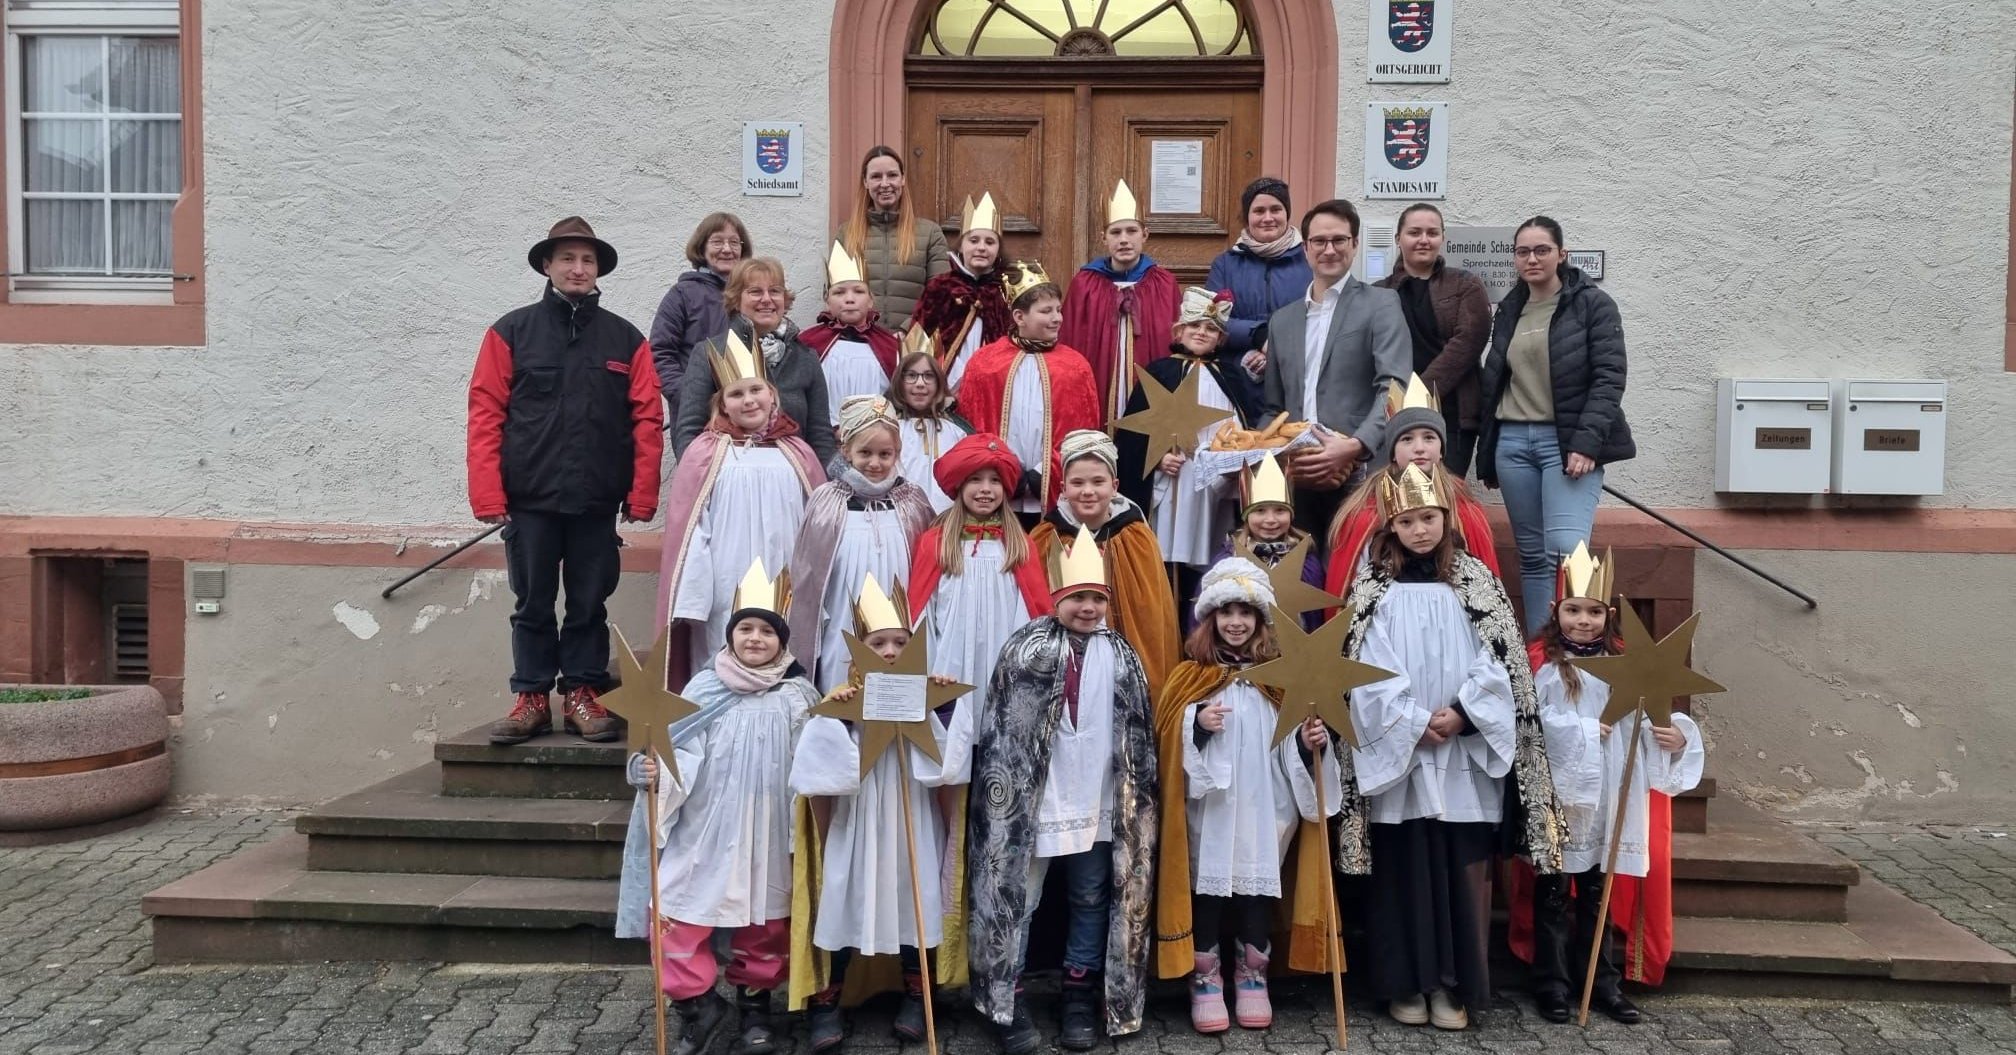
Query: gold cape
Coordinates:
[1144,609]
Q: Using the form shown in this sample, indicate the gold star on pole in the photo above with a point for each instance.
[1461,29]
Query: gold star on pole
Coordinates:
[646,706]
[1290,592]
[1649,673]
[1313,675]
[1172,419]
[877,736]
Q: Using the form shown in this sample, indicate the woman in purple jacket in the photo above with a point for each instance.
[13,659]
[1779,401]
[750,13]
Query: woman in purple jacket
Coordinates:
[693,310]
[1264,269]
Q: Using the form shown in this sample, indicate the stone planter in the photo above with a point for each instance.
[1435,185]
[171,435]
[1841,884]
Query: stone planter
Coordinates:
[66,763]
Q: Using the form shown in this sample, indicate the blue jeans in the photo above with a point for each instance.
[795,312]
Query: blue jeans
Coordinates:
[1088,892]
[1550,511]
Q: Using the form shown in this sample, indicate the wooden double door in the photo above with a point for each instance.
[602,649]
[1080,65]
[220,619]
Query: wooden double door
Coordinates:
[1051,151]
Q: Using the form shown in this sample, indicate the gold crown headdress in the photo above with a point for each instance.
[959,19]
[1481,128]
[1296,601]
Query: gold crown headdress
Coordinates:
[1415,393]
[735,362]
[876,611]
[1077,565]
[1122,206]
[917,339]
[759,590]
[981,217]
[1264,483]
[1413,489]
[841,266]
[1022,277]
[1582,575]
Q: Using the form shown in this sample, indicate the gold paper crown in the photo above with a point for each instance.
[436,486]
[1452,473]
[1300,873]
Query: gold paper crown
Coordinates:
[842,267]
[758,590]
[876,611]
[1414,112]
[1415,394]
[981,217]
[1078,565]
[917,339]
[1021,277]
[735,362]
[1264,483]
[1413,490]
[1582,575]
[1122,206]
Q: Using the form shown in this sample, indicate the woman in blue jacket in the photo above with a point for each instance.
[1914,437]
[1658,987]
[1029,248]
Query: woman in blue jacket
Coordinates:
[1264,269]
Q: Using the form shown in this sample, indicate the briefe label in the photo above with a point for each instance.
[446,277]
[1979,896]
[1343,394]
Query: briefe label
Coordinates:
[1784,439]
[1901,440]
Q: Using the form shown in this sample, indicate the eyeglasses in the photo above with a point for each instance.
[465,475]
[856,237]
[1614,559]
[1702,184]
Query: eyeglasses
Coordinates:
[925,375]
[1338,242]
[1524,251]
[724,243]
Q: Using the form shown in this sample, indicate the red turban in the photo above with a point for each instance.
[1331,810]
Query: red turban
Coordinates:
[982,450]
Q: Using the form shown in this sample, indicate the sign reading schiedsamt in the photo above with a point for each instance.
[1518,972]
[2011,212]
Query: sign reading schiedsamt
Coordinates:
[1407,41]
[1407,150]
[773,158]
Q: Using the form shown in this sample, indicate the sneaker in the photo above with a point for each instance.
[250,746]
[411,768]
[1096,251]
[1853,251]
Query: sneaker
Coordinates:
[531,714]
[1207,996]
[1249,989]
[587,718]
[1080,1028]
[1409,1010]
[700,1021]
[1445,1012]
[755,1037]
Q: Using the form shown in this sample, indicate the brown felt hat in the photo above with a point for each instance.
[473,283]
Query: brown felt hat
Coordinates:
[572,228]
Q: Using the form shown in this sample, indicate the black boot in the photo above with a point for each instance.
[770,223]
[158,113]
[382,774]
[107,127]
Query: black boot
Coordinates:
[756,1037]
[824,1029]
[700,1021]
[909,1024]
[1080,1029]
[1019,1036]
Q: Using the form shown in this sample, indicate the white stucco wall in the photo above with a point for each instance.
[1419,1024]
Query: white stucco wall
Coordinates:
[1816,189]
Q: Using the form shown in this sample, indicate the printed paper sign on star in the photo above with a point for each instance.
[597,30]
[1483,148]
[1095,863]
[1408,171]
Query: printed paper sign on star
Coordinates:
[643,701]
[1172,419]
[1649,673]
[1314,675]
[1290,592]
[877,736]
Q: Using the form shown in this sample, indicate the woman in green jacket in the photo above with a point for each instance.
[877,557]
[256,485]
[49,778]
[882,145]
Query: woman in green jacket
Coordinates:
[900,250]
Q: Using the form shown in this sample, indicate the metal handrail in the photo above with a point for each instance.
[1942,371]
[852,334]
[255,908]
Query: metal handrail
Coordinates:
[442,559]
[1734,559]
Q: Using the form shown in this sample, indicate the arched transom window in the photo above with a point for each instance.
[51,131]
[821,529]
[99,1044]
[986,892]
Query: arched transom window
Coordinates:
[1053,28]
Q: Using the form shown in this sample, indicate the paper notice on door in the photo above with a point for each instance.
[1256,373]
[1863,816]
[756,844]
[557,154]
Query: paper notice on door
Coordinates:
[1176,180]
[892,698]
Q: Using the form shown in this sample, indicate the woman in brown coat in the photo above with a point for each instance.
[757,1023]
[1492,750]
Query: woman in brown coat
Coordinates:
[899,250]
[1449,318]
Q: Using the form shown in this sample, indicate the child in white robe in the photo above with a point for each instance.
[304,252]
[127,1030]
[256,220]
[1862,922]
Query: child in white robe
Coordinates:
[930,426]
[864,901]
[1588,758]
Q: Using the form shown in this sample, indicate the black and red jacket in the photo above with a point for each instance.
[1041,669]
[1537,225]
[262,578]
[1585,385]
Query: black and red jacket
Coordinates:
[564,415]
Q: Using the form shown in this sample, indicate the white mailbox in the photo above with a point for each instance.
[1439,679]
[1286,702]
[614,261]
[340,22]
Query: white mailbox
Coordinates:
[1773,436]
[1890,437]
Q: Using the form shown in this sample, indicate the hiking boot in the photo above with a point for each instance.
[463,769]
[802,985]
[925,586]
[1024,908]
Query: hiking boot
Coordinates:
[824,1028]
[909,1024]
[700,1021]
[1019,1036]
[1249,989]
[587,718]
[1080,1029]
[1207,995]
[755,1037]
[531,715]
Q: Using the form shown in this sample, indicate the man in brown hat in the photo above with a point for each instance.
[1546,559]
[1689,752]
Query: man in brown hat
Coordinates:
[565,433]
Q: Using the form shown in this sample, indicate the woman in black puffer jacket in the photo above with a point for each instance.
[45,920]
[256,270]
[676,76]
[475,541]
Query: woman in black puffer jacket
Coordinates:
[1554,397]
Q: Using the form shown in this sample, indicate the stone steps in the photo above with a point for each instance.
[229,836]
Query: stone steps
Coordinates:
[554,766]
[1748,866]
[406,825]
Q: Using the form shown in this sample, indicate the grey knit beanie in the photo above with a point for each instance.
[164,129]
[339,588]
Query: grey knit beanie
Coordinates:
[1413,418]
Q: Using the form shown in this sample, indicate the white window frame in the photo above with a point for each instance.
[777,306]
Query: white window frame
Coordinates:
[97,18]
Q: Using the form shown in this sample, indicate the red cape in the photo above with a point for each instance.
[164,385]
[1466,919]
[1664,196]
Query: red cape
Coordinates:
[1090,310]
[1356,531]
[1074,397]
[1641,908]
[884,343]
[925,571]
[948,299]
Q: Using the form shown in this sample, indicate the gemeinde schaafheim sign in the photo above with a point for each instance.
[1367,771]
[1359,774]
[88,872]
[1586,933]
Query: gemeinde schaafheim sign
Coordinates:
[1407,41]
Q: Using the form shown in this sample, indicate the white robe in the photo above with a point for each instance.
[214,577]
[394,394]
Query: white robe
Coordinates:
[851,370]
[1193,525]
[864,897]
[725,820]
[754,510]
[965,354]
[924,439]
[972,614]
[1246,797]
[1420,632]
[1028,411]
[1076,809]
[1588,767]
[871,542]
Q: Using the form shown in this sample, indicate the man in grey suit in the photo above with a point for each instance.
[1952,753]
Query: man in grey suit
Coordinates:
[1329,359]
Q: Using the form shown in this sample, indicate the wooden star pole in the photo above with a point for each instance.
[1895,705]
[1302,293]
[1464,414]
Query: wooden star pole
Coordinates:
[877,737]
[1314,675]
[648,709]
[1643,682]
[1290,592]
[1170,422]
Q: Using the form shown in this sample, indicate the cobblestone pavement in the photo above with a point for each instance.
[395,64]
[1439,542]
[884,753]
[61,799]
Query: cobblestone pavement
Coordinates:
[76,976]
